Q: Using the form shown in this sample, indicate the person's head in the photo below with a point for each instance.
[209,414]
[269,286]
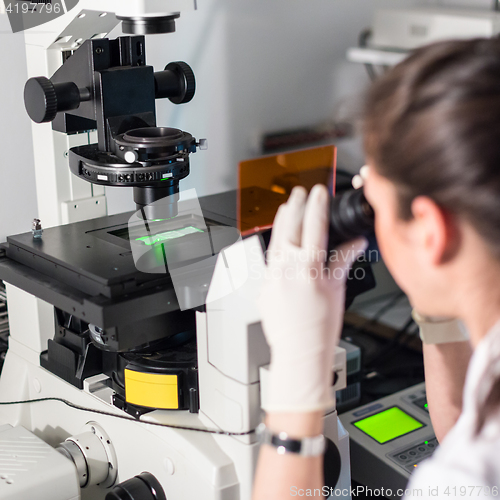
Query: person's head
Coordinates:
[432,139]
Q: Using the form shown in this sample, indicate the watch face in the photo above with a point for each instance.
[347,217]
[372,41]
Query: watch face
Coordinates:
[309,446]
[285,444]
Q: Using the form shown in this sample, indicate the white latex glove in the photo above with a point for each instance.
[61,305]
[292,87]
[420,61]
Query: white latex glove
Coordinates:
[302,303]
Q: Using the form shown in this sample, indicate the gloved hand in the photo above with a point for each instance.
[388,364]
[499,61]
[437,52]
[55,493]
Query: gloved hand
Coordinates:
[302,303]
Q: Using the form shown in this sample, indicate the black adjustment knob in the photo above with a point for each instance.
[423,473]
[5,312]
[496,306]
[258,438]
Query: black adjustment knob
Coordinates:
[40,99]
[44,99]
[176,82]
[145,486]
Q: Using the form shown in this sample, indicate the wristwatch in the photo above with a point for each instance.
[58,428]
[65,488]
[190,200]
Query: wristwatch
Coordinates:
[306,447]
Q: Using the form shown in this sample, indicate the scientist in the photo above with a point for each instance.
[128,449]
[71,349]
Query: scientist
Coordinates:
[432,142]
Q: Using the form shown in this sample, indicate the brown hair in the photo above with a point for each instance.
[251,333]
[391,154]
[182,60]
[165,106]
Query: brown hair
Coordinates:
[432,127]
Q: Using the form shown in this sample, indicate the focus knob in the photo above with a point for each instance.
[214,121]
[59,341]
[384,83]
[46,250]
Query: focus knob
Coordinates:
[176,82]
[40,99]
[44,99]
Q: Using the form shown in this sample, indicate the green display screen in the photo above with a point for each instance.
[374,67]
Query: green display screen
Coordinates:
[388,425]
[169,235]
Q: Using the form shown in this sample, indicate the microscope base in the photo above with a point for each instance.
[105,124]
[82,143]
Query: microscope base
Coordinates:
[188,464]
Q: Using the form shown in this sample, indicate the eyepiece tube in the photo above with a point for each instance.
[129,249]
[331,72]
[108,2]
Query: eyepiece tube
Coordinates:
[351,216]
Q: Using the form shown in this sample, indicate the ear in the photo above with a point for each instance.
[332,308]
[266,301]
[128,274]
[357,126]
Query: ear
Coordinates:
[436,230]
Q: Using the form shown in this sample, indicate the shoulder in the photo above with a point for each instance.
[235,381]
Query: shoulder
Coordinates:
[449,481]
[465,465]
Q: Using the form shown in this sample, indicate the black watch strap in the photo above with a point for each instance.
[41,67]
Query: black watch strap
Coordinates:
[307,447]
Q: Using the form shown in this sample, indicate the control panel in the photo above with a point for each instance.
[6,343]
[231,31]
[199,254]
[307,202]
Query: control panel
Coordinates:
[389,438]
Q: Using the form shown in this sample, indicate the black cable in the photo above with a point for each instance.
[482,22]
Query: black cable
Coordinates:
[123,417]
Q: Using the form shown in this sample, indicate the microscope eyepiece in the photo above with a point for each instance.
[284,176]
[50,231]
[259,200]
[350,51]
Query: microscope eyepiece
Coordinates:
[351,216]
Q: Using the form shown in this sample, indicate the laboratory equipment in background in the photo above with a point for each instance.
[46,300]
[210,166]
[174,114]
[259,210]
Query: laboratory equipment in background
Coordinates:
[396,32]
[350,396]
[389,438]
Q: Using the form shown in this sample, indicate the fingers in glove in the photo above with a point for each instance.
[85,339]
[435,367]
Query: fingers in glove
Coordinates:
[293,217]
[315,228]
[277,234]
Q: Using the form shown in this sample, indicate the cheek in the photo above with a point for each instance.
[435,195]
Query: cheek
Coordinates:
[384,229]
[394,248]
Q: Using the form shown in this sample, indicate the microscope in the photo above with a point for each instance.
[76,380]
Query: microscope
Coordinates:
[137,364]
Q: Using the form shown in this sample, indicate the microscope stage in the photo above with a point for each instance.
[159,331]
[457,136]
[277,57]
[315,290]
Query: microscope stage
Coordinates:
[95,256]
[87,268]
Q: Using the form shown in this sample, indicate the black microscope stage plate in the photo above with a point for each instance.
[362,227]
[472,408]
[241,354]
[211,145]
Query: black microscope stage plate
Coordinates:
[94,256]
[80,255]
[100,284]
